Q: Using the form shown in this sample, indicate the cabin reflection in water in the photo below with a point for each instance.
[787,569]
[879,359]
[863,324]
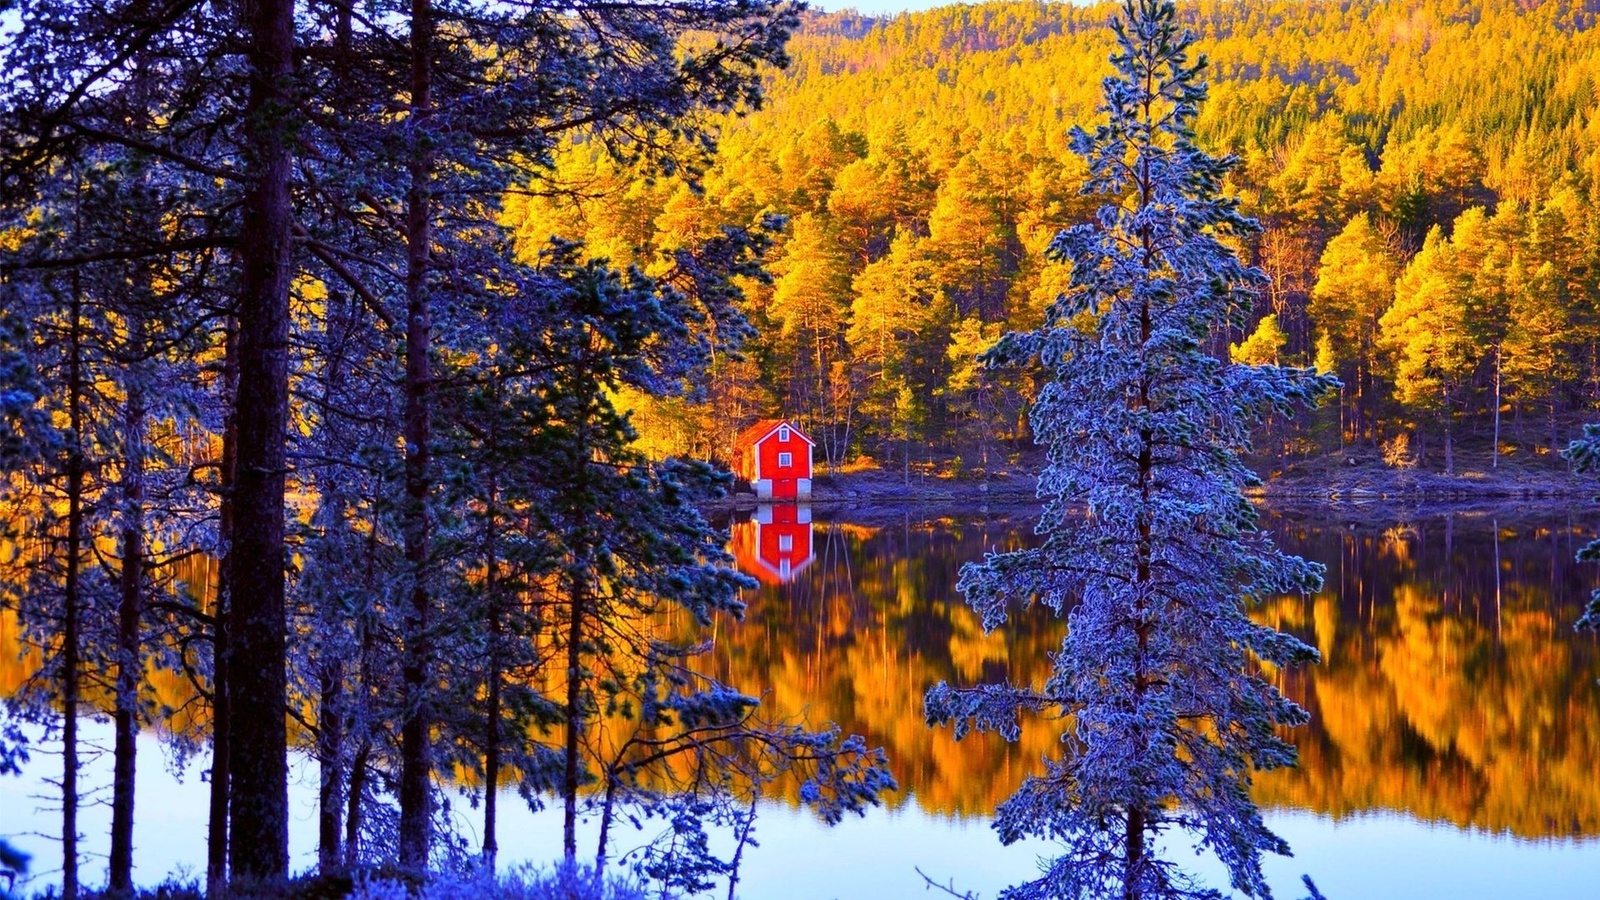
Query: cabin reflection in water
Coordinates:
[774,544]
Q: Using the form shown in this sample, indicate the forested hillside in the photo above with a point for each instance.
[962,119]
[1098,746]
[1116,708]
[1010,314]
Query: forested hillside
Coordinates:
[1425,172]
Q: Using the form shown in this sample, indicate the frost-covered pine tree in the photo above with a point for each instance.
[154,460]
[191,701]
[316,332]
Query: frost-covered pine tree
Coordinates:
[1149,546]
[1584,455]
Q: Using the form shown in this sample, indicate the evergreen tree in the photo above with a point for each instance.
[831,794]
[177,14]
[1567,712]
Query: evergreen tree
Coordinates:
[1159,674]
[1584,454]
[1262,346]
[1429,329]
[610,580]
[1354,287]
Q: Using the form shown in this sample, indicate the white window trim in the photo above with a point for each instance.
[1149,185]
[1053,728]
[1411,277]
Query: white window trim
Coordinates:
[783,434]
[785,543]
[785,460]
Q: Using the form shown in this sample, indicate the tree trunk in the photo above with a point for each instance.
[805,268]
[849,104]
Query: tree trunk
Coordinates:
[606,809]
[217,827]
[330,790]
[569,781]
[1449,448]
[1136,823]
[491,748]
[415,763]
[70,627]
[1133,854]
[491,766]
[352,819]
[1494,456]
[129,655]
[258,821]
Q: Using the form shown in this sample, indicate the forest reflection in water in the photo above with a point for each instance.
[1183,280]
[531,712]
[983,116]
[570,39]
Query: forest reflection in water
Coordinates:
[1453,688]
[1454,692]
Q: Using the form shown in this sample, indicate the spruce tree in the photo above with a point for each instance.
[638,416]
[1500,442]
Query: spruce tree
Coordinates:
[1584,456]
[1149,546]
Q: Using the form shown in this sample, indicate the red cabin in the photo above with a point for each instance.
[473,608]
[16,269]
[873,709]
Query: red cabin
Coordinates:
[775,457]
[774,545]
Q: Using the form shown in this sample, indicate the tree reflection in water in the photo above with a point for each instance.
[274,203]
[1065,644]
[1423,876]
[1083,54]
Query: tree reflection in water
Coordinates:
[1453,687]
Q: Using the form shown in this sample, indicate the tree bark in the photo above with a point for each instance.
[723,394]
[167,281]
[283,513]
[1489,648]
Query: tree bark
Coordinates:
[1135,824]
[415,763]
[1449,447]
[1494,456]
[330,790]
[569,781]
[257,680]
[491,749]
[217,827]
[352,819]
[70,636]
[606,808]
[129,652]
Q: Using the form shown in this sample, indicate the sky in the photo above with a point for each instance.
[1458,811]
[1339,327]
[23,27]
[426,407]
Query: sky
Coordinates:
[878,7]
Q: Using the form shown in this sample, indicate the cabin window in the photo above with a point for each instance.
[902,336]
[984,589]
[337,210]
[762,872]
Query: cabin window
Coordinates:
[785,460]
[783,435]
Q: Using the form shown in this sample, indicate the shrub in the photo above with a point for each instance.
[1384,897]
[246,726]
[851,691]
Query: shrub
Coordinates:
[557,883]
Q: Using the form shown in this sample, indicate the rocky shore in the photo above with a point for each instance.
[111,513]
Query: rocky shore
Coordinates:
[1351,480]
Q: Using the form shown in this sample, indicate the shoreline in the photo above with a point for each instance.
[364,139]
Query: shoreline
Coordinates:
[1356,488]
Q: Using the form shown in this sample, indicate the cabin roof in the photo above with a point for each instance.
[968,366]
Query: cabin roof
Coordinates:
[758,432]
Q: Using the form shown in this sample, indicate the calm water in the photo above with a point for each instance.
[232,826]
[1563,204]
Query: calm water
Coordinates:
[1455,749]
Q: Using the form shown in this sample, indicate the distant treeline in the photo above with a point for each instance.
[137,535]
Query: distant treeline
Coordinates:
[1425,172]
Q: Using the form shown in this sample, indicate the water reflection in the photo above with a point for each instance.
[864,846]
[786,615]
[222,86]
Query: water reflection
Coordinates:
[1453,688]
[775,543]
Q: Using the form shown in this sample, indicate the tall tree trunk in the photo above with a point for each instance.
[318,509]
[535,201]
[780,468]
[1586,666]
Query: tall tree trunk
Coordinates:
[70,629]
[217,827]
[1449,447]
[330,790]
[258,821]
[414,750]
[1133,854]
[491,760]
[1494,456]
[1136,824]
[352,819]
[357,782]
[130,657]
[607,806]
[331,706]
[1555,432]
[569,780]
[491,748]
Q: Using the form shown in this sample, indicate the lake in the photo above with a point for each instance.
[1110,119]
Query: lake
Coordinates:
[1454,749]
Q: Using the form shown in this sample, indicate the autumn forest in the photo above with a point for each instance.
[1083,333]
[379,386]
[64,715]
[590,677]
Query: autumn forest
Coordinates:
[1183,411]
[1425,174]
